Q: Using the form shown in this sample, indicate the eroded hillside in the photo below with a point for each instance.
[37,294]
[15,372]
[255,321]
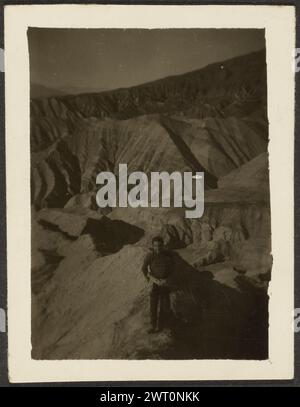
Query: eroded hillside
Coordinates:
[90,299]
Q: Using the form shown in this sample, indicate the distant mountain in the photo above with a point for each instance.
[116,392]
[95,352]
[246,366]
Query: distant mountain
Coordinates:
[41,91]
[38,91]
[77,90]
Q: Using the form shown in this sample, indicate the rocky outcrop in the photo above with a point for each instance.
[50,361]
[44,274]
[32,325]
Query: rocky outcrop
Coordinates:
[235,224]
[71,224]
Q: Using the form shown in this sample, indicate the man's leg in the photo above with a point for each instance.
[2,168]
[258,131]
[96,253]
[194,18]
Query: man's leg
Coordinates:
[164,306]
[154,296]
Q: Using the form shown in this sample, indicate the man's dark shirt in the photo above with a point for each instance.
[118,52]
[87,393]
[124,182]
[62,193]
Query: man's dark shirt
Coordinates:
[161,265]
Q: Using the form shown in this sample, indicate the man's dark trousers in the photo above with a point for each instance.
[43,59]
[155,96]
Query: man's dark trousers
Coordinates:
[159,305]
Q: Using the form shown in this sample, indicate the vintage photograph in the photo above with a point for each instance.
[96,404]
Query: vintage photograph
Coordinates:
[115,276]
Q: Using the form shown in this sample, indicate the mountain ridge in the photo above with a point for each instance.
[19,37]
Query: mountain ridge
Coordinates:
[241,79]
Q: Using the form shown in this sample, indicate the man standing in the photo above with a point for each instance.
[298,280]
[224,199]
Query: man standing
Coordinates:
[157,267]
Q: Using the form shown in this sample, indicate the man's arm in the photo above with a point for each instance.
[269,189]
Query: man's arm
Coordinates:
[146,264]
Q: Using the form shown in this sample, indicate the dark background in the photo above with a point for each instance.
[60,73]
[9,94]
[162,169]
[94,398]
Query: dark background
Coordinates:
[3,292]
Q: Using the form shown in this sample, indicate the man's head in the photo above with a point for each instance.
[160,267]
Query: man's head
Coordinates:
[157,244]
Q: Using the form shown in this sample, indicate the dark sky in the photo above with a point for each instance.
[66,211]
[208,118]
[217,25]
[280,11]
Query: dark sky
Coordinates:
[114,58]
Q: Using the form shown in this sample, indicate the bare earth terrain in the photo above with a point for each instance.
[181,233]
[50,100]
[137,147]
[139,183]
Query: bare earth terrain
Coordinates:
[89,297]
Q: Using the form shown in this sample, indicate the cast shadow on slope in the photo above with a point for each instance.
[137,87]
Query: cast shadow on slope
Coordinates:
[207,320]
[223,322]
[112,235]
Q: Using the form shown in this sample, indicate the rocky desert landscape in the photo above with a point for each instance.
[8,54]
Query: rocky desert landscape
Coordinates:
[89,296]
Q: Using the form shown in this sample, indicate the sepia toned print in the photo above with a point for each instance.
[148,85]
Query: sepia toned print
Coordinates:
[141,281]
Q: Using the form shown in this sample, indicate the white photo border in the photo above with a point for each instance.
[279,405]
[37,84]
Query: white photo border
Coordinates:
[279,23]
